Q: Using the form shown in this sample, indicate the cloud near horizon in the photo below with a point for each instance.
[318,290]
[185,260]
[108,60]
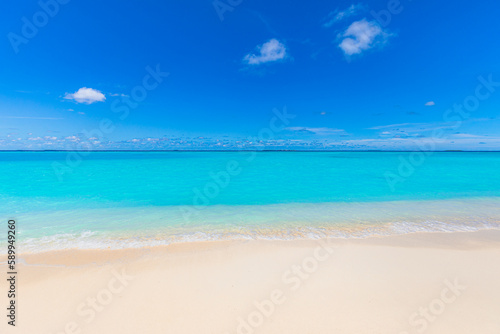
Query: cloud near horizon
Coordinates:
[362,35]
[86,95]
[318,131]
[272,50]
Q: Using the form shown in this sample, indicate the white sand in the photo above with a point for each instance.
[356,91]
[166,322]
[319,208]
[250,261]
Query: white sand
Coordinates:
[418,283]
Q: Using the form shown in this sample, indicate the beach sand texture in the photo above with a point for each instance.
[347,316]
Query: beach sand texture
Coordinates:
[416,283]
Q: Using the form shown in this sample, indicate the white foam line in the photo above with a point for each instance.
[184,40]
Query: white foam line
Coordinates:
[89,240]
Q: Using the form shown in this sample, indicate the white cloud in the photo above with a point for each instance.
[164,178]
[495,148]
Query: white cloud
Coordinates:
[319,131]
[430,103]
[272,50]
[362,35]
[86,95]
[414,128]
[467,135]
[393,126]
[339,15]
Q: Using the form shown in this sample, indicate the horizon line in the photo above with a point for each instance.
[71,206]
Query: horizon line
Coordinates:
[252,150]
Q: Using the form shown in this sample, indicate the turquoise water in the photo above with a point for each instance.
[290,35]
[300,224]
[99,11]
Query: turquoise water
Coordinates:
[121,199]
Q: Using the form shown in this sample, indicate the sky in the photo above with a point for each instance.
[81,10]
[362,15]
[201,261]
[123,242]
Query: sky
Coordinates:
[249,74]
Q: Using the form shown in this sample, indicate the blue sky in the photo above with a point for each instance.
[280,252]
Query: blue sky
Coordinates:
[215,74]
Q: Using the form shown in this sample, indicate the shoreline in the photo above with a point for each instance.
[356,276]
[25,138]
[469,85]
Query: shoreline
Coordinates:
[300,286]
[454,240]
[301,235]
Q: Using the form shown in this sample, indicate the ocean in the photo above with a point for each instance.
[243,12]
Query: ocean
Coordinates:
[94,200]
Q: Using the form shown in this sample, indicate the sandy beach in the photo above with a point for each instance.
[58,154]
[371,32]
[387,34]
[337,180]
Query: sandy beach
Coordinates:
[417,283]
